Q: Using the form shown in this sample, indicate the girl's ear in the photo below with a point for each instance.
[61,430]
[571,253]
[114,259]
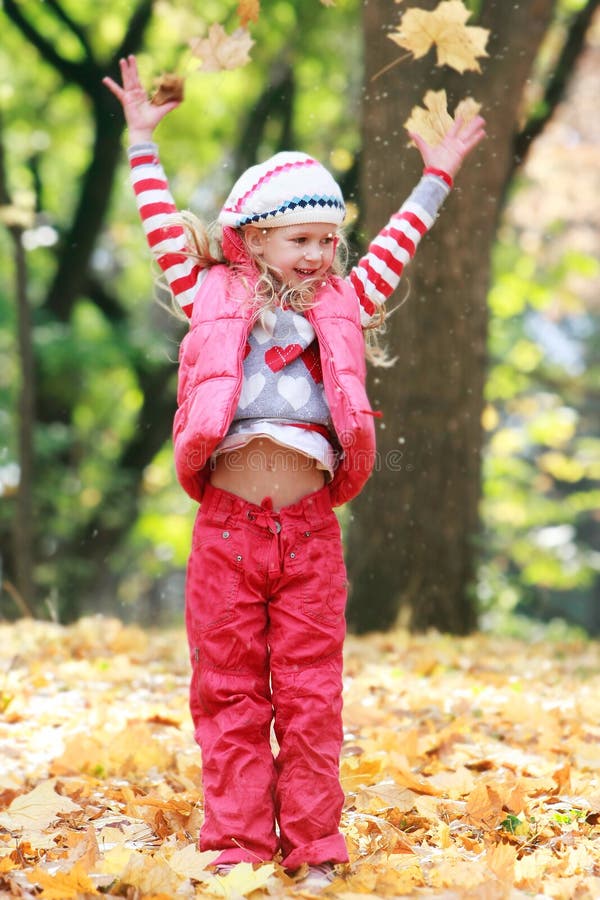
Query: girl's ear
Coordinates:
[255,240]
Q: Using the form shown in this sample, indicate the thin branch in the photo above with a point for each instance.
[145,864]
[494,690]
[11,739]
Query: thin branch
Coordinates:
[74,27]
[391,65]
[137,25]
[70,71]
[557,83]
[19,601]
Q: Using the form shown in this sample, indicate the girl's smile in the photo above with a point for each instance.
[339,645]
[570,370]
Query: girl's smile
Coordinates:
[296,252]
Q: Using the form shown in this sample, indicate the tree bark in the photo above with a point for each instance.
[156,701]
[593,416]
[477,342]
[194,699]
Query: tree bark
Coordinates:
[413,533]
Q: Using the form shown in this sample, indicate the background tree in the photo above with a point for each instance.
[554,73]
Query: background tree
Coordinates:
[413,534]
[110,529]
[104,351]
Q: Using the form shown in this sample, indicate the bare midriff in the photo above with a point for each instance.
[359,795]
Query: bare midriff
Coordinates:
[264,468]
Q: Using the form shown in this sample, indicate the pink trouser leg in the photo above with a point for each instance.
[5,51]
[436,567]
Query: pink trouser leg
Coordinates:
[230,699]
[306,634]
[265,601]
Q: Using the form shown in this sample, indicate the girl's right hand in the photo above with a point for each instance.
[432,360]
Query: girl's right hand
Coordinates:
[141,115]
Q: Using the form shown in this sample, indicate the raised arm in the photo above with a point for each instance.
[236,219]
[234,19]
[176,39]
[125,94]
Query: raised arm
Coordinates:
[166,240]
[377,274]
[141,115]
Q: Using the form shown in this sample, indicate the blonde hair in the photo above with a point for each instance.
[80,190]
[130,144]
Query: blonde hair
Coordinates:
[203,245]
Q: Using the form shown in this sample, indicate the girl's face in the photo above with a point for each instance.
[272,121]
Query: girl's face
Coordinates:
[298,252]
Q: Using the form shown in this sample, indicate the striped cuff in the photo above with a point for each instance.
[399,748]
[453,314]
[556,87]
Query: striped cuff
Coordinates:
[429,170]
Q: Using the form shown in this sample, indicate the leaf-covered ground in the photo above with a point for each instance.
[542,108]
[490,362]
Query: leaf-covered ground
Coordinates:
[471,769]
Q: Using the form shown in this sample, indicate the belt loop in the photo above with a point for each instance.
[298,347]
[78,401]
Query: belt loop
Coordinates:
[219,506]
[316,506]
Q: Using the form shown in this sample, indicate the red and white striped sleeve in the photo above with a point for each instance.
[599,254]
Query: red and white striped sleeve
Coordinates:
[166,241]
[377,274]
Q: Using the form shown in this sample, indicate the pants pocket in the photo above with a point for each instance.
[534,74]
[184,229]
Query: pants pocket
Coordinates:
[327,605]
[214,575]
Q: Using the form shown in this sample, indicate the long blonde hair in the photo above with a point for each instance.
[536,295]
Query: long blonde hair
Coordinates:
[203,245]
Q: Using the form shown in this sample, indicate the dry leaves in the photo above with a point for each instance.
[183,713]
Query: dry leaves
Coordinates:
[458,45]
[220,50]
[469,767]
[248,11]
[167,88]
[433,121]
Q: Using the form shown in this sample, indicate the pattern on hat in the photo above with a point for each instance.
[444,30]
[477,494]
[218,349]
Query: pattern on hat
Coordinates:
[287,189]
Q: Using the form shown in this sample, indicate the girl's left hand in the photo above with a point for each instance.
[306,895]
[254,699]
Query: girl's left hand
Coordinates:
[458,142]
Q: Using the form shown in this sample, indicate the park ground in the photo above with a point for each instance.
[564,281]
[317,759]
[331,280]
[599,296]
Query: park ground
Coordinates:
[470,765]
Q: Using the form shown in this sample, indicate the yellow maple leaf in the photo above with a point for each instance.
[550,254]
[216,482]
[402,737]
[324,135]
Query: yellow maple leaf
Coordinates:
[433,121]
[241,881]
[189,862]
[62,885]
[221,50]
[37,809]
[458,45]
[248,11]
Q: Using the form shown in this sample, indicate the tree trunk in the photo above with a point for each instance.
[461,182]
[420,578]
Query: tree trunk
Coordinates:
[413,533]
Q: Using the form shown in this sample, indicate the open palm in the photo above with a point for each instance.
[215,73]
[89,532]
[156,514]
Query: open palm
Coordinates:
[142,116]
[451,152]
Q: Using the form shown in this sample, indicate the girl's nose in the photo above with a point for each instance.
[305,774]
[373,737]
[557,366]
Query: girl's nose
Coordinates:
[313,252]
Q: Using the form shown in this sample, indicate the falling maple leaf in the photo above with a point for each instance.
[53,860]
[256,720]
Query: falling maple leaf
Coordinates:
[248,11]
[221,50]
[167,87]
[434,121]
[458,45]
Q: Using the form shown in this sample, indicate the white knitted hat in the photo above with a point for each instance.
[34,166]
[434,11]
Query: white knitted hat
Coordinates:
[287,189]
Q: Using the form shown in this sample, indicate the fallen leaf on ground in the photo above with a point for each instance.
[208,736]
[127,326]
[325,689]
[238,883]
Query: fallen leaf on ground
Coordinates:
[508,812]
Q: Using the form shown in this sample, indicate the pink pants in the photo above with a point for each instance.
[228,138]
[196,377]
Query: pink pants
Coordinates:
[265,603]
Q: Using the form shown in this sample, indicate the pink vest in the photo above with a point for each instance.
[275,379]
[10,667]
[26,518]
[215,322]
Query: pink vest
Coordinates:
[210,378]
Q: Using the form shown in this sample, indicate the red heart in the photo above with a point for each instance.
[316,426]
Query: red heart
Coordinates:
[312,361]
[278,357]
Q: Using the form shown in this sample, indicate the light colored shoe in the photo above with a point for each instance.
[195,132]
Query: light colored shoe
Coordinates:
[224,869]
[316,879]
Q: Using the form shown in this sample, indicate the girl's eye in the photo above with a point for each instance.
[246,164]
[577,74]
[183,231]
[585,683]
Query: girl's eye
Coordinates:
[299,240]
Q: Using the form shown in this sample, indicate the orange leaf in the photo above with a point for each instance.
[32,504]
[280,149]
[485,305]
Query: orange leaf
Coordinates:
[168,87]
[63,885]
[484,805]
[248,11]
[501,860]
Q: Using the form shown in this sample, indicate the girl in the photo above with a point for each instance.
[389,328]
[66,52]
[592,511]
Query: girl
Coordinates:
[272,430]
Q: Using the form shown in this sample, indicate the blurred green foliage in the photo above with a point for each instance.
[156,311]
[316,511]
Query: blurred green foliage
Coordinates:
[542,456]
[542,464]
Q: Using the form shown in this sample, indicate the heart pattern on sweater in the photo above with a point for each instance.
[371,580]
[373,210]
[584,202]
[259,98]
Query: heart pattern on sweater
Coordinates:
[265,327]
[312,361]
[295,390]
[251,388]
[278,357]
